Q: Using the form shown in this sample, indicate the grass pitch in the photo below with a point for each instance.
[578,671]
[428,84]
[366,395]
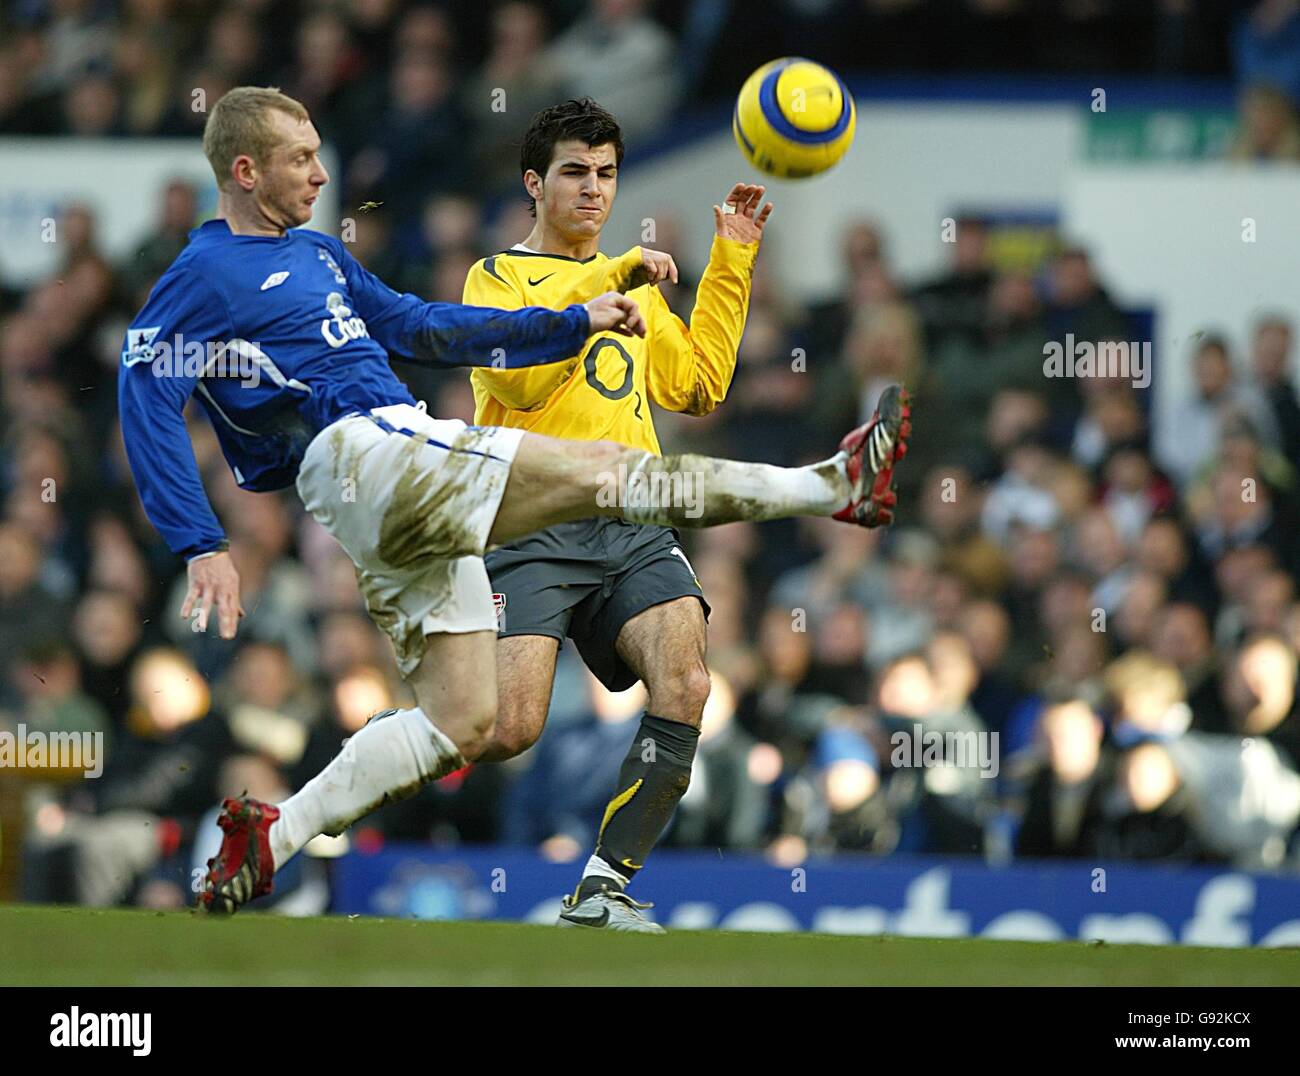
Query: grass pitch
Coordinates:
[45,946]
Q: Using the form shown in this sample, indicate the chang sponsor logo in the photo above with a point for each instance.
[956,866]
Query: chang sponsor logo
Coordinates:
[342,325]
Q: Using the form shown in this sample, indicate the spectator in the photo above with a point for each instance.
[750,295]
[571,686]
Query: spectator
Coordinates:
[1064,804]
[622,58]
[1191,435]
[515,81]
[1150,814]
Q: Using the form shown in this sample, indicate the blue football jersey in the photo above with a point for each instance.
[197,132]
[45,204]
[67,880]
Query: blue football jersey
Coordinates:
[277,337]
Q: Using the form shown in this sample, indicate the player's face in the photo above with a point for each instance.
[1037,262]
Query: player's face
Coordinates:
[578,190]
[291,177]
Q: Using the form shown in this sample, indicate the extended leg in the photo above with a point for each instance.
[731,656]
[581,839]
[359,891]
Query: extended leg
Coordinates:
[553,481]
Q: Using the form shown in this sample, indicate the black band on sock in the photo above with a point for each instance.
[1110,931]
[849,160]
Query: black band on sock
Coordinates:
[652,780]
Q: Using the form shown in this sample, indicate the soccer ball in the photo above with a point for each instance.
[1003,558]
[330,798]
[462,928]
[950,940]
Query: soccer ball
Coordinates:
[794,118]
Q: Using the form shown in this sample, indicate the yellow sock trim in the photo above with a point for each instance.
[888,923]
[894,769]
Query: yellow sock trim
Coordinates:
[618,802]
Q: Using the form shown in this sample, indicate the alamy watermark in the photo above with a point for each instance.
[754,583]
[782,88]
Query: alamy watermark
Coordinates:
[652,489]
[920,748]
[1109,358]
[25,749]
[178,357]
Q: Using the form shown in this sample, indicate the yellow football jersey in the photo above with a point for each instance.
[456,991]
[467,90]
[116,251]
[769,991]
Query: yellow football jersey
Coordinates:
[604,392]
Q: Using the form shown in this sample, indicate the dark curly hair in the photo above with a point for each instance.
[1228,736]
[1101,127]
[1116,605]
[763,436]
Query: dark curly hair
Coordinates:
[583,120]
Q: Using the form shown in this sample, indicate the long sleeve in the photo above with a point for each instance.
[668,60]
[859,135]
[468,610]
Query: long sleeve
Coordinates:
[155,382]
[690,369]
[448,334]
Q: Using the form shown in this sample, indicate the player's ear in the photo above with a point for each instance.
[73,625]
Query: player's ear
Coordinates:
[243,169]
[533,184]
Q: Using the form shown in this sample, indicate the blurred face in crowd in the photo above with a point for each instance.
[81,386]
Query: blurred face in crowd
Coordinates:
[518,32]
[1237,570]
[179,207]
[1146,690]
[1072,733]
[575,196]
[1065,602]
[1182,636]
[1231,507]
[1072,279]
[950,500]
[1034,556]
[907,688]
[863,247]
[955,672]
[1272,352]
[167,691]
[786,652]
[1148,777]
[841,637]
[1213,371]
[1079,656]
[1162,548]
[106,627]
[987,629]
[1260,686]
[1013,298]
[1013,414]
[1100,543]
[263,675]
[970,254]
[19,560]
[1143,599]
[849,783]
[359,695]
[1269,600]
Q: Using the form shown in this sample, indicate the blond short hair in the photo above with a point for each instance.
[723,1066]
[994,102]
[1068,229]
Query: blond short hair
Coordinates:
[237,125]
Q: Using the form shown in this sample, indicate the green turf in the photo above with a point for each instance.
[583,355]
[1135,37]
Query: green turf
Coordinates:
[77,946]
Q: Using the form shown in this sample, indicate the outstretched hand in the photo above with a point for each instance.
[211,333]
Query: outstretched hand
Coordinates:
[742,220]
[213,581]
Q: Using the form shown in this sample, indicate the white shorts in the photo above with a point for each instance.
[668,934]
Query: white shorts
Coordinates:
[412,500]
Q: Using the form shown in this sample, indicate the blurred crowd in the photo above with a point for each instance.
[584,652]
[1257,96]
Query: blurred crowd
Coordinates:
[421,96]
[1103,595]
[1094,608]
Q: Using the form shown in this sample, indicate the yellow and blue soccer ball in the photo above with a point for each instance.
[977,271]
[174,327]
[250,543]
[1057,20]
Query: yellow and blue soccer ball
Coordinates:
[794,118]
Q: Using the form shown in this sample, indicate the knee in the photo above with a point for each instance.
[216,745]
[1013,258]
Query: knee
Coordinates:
[682,693]
[509,741]
[517,729]
[467,723]
[696,686]
[475,729]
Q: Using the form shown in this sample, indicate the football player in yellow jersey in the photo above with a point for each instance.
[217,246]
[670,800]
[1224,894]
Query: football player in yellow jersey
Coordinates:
[624,592]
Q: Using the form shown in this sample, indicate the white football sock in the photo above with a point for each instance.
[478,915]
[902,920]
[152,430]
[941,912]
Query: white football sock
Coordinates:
[701,491]
[387,760]
[597,866]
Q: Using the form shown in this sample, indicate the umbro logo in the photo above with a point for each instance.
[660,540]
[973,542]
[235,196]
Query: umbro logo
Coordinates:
[275,280]
[533,283]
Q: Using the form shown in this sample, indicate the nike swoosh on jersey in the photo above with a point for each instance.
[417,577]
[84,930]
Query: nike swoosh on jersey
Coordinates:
[533,283]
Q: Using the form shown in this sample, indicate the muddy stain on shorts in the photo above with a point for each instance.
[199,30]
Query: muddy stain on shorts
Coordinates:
[414,530]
